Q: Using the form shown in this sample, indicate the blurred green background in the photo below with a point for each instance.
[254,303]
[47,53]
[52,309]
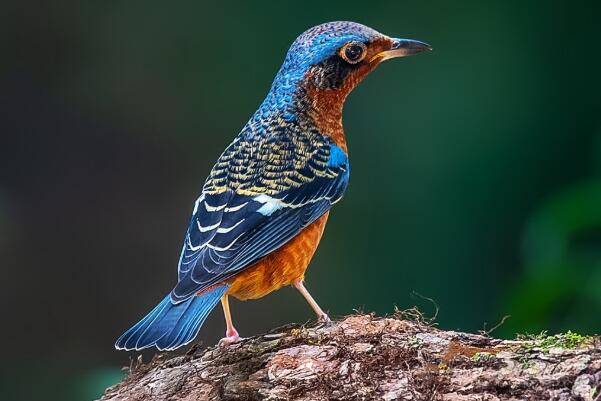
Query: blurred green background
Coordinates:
[476,169]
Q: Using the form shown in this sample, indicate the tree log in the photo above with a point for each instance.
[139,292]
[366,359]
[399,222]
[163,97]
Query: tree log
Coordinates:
[362,357]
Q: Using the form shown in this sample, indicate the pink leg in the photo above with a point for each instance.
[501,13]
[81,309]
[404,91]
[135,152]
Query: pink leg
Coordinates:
[231,334]
[321,315]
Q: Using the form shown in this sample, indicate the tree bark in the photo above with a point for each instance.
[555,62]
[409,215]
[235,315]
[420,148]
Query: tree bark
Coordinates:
[362,357]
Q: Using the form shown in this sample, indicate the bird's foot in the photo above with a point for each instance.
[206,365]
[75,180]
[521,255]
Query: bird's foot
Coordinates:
[227,341]
[324,320]
[231,337]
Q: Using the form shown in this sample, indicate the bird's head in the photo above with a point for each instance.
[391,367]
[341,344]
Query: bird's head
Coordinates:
[338,55]
[325,63]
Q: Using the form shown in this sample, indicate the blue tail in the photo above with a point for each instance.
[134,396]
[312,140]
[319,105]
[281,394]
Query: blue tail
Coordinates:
[169,326]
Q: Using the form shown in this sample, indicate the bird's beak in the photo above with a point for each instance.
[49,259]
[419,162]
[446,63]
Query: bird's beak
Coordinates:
[401,48]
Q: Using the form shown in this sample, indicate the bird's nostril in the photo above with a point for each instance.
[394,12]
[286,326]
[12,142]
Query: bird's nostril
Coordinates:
[410,46]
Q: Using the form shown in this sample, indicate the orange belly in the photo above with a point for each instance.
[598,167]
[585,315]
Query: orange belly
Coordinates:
[280,267]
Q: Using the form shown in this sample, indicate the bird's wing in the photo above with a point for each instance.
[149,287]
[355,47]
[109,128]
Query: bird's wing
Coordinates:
[234,226]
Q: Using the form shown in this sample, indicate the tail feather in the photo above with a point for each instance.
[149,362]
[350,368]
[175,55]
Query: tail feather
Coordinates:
[169,326]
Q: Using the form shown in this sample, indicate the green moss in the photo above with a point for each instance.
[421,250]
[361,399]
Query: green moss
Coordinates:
[568,340]
[415,342]
[482,357]
[544,342]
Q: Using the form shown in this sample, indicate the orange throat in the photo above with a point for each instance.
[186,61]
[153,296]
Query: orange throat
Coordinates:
[326,104]
[326,112]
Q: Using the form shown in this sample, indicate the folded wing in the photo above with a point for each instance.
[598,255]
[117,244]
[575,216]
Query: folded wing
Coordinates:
[233,228]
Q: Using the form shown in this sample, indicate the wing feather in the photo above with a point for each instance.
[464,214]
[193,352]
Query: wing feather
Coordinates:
[232,229]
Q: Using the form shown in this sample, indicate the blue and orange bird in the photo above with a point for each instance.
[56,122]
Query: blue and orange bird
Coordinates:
[264,206]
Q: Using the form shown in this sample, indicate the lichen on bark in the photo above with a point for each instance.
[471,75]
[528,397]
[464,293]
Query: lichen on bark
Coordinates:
[363,357]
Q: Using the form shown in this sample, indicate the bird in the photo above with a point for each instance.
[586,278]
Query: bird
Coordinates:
[263,208]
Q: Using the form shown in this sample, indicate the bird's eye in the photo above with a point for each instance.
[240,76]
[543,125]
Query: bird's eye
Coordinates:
[353,52]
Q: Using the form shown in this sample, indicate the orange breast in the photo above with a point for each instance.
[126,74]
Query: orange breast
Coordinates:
[280,267]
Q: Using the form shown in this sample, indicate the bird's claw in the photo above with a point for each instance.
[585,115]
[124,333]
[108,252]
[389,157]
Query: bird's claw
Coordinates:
[324,320]
[229,340]
[231,337]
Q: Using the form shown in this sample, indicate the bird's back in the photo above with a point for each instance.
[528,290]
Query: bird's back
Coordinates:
[270,158]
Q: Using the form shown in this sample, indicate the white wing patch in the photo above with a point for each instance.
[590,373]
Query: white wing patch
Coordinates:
[270,204]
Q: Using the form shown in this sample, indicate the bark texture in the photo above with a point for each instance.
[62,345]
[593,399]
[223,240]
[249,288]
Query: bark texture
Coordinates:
[362,357]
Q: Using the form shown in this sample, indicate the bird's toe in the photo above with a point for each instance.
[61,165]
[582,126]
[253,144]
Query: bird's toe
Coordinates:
[229,340]
[324,319]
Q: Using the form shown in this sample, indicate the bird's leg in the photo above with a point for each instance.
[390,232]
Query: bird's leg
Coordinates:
[231,334]
[321,315]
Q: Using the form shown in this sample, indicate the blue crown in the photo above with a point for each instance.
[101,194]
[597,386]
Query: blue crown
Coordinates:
[310,48]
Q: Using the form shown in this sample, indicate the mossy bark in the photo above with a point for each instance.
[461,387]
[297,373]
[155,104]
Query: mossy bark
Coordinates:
[362,357]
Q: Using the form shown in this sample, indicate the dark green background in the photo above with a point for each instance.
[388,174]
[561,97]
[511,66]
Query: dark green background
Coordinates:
[476,169]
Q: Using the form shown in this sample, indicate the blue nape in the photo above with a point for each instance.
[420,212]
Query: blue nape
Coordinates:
[169,326]
[310,48]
